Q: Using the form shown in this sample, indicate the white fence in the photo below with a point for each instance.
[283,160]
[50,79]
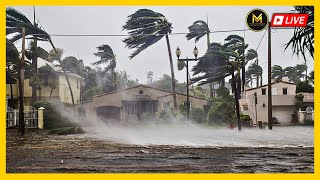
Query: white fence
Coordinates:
[30,117]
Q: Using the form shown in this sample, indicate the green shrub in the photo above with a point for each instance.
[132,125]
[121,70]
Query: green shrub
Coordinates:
[183,109]
[52,117]
[169,115]
[221,112]
[245,120]
[197,115]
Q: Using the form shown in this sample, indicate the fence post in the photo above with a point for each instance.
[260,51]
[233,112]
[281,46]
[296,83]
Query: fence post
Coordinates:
[40,117]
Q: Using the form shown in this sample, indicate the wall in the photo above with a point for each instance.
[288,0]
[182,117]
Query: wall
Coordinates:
[195,102]
[64,91]
[115,99]
[284,104]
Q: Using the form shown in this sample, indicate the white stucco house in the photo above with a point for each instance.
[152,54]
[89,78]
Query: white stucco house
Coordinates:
[283,102]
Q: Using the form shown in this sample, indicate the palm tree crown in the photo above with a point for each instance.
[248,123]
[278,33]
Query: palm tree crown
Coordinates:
[145,28]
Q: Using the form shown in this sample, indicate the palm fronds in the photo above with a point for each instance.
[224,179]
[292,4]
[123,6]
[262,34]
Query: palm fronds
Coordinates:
[197,30]
[302,40]
[145,28]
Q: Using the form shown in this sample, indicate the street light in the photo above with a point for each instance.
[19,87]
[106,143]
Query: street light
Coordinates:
[195,53]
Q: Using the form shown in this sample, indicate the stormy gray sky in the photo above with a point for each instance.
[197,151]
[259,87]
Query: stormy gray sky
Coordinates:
[110,19]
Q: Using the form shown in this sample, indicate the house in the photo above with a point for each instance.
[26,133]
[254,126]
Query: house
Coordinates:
[60,90]
[131,103]
[283,102]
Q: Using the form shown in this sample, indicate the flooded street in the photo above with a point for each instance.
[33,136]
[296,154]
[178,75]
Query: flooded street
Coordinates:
[94,152]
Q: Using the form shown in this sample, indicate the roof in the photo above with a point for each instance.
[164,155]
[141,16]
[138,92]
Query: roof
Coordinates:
[141,85]
[271,84]
[307,97]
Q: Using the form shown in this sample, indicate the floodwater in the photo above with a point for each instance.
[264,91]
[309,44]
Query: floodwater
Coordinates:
[164,149]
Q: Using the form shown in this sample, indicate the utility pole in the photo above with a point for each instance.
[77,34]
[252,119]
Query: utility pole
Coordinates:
[255,106]
[269,80]
[34,62]
[21,86]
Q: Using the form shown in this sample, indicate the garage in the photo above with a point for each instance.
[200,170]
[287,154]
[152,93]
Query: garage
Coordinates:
[108,113]
[283,113]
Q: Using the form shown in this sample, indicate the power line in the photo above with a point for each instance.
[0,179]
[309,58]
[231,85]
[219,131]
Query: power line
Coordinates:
[121,35]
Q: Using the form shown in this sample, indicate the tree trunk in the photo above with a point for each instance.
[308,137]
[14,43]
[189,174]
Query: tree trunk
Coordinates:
[172,75]
[11,96]
[236,100]
[211,84]
[65,74]
[51,92]
[35,69]
[21,86]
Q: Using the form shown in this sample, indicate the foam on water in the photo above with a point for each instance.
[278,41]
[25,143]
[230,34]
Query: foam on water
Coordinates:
[201,136]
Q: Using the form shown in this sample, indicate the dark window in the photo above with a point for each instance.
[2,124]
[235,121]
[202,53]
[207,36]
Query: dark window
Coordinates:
[140,92]
[284,91]
[77,84]
[264,91]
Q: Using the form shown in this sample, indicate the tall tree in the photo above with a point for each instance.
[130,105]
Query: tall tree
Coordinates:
[145,28]
[55,54]
[256,71]
[277,73]
[15,20]
[105,53]
[197,30]
[220,61]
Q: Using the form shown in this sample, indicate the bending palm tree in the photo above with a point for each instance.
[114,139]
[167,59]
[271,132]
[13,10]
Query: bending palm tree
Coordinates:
[302,40]
[277,73]
[197,30]
[145,28]
[15,20]
[106,54]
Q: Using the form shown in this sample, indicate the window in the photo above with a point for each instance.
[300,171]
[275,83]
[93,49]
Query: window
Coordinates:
[264,90]
[77,84]
[284,91]
[245,107]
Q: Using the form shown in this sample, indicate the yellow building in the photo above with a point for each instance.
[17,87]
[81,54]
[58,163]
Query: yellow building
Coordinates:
[60,90]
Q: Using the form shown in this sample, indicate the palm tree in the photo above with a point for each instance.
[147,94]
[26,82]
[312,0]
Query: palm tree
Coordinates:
[219,62]
[15,21]
[254,70]
[197,30]
[145,28]
[277,73]
[302,40]
[55,54]
[105,53]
